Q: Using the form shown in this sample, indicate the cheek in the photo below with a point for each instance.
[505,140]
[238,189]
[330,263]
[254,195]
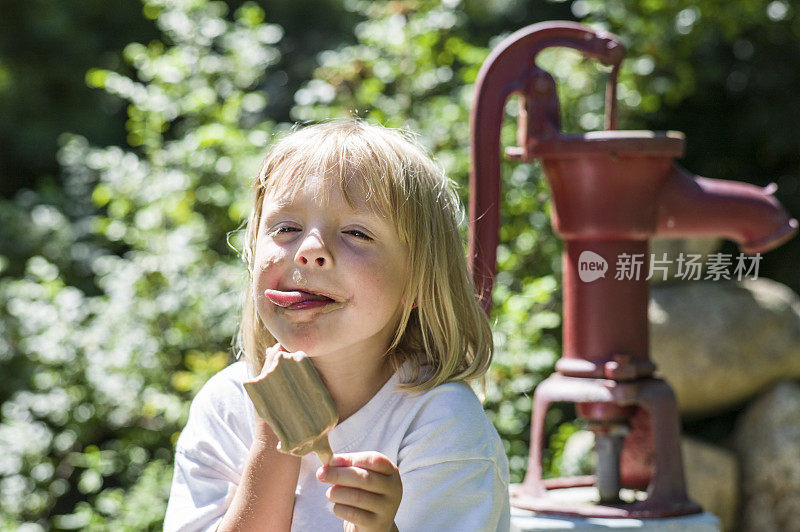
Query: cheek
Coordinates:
[266,260]
[384,283]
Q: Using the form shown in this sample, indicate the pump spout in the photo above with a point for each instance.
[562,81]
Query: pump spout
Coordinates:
[690,205]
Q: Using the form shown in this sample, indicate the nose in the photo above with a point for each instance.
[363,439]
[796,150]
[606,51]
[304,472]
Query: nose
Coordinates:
[314,252]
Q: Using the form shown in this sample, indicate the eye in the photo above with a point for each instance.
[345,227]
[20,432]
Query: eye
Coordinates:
[358,234]
[283,229]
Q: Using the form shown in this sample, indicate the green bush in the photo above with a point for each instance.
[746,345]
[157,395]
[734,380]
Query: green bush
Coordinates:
[97,379]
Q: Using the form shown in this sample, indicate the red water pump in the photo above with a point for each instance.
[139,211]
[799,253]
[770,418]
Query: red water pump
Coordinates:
[611,192]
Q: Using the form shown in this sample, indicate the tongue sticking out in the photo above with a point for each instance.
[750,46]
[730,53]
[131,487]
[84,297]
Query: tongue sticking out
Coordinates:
[292,297]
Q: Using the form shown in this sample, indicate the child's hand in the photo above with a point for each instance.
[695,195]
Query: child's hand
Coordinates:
[366,490]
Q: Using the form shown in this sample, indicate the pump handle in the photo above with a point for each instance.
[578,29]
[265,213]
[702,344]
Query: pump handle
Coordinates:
[511,68]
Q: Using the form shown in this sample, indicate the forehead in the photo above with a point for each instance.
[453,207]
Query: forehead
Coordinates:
[356,192]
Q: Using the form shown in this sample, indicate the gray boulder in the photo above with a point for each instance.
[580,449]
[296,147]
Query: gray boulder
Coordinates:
[712,479]
[767,439]
[719,343]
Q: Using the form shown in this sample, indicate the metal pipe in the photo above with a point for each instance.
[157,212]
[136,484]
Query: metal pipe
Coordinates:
[608,446]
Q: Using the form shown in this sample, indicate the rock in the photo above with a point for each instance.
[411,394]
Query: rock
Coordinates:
[711,472]
[712,479]
[718,343]
[674,247]
[767,439]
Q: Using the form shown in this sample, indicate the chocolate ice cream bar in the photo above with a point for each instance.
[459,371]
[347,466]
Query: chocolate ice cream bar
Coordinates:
[290,396]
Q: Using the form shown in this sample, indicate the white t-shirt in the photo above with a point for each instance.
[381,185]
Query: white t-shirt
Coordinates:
[452,463]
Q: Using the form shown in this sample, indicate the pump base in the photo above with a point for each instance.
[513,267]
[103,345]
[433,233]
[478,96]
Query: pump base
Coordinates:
[527,521]
[646,407]
[583,501]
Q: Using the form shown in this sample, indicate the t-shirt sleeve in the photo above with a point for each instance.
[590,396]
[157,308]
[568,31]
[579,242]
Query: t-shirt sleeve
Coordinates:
[209,456]
[453,468]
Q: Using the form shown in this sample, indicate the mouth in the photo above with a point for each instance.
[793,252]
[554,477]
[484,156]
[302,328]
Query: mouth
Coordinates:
[294,299]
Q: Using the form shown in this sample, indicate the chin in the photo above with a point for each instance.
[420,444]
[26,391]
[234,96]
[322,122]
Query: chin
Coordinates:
[310,347]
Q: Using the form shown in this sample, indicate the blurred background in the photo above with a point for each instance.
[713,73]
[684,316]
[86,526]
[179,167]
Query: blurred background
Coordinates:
[130,131]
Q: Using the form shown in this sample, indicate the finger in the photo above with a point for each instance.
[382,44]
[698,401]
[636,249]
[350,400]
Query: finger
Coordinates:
[355,477]
[356,498]
[372,460]
[354,515]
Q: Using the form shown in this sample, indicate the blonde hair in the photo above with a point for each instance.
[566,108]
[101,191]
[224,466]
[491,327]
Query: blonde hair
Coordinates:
[447,336]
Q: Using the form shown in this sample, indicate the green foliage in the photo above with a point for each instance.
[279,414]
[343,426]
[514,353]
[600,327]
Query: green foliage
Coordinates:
[97,385]
[45,48]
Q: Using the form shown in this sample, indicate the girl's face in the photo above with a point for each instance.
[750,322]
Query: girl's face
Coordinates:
[328,278]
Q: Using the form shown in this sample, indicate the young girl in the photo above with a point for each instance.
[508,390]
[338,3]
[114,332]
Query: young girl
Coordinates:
[355,259]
